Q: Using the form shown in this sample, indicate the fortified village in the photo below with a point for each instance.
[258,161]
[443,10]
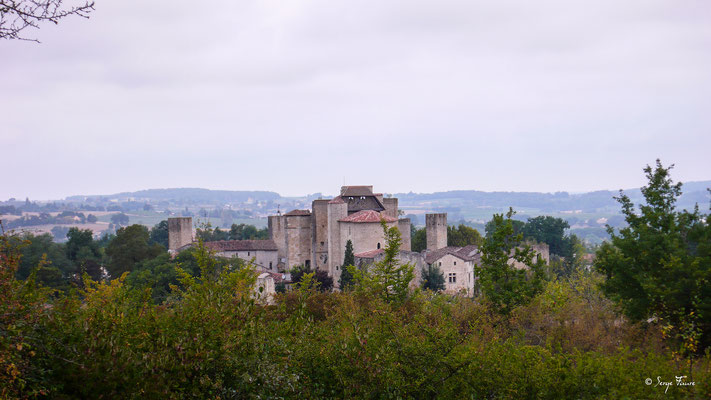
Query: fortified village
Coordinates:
[317,238]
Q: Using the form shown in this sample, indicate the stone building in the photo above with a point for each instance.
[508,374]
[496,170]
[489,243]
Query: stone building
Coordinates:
[317,237]
[457,266]
[263,253]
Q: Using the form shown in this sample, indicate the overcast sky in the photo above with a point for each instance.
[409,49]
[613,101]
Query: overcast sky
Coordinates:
[296,96]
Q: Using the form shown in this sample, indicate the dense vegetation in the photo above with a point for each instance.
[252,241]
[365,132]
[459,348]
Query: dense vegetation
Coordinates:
[194,327]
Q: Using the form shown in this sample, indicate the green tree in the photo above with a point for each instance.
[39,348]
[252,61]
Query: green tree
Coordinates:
[418,238]
[502,283]
[659,265]
[128,248]
[84,252]
[432,278]
[247,232]
[38,246]
[346,279]
[299,272]
[463,236]
[159,233]
[388,279]
[120,219]
[548,230]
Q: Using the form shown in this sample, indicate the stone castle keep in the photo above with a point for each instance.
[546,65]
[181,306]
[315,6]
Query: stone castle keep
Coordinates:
[317,238]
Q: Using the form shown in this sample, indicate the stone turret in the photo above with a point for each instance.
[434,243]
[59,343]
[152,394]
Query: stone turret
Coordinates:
[436,229]
[180,232]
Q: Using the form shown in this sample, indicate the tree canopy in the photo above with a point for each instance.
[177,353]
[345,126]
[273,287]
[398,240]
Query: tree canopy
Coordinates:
[659,265]
[503,284]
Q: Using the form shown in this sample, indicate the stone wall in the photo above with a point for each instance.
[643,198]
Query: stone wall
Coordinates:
[277,232]
[416,260]
[539,249]
[436,230]
[336,211]
[180,232]
[463,274]
[365,236]
[266,260]
[319,232]
[298,240]
[404,226]
[390,204]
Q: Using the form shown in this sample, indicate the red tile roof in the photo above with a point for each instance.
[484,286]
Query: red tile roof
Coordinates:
[242,245]
[369,254]
[299,213]
[337,200]
[367,216]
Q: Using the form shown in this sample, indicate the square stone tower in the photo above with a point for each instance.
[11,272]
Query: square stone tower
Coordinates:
[180,232]
[436,230]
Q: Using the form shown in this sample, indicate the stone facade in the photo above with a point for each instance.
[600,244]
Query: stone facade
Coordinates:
[318,237]
[436,230]
[457,266]
[180,232]
[416,260]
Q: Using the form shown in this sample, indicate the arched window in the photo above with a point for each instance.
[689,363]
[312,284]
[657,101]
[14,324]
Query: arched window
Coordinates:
[378,246]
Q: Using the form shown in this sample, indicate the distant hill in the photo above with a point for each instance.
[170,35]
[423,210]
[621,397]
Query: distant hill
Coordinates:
[591,202]
[187,195]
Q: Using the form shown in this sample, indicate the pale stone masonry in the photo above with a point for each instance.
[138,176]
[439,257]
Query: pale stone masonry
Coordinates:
[318,237]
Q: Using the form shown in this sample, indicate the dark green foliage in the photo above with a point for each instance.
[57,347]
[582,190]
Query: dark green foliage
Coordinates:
[247,232]
[549,230]
[159,233]
[463,236]
[387,279]
[212,339]
[659,265]
[128,248]
[491,227]
[84,252]
[325,282]
[504,285]
[119,219]
[346,279]
[432,278]
[418,239]
[37,247]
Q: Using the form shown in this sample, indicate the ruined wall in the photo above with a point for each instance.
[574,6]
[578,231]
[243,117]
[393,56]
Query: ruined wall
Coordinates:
[298,240]
[180,232]
[390,204]
[539,249]
[263,259]
[462,272]
[404,226]
[436,230]
[319,233]
[416,260]
[277,232]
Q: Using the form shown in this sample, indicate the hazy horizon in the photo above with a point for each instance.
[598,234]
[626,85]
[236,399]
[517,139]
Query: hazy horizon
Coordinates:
[414,96]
